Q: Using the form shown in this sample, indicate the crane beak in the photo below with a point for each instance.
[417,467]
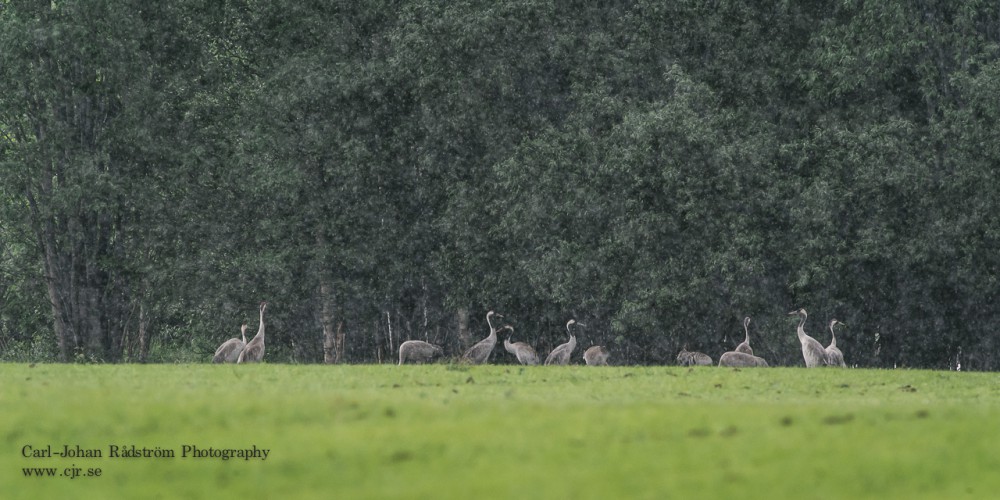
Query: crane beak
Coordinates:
[793,313]
[580,324]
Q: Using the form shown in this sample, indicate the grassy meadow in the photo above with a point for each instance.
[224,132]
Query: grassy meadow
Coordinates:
[443,431]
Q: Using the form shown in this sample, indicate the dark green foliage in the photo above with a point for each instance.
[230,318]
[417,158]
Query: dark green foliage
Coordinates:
[656,171]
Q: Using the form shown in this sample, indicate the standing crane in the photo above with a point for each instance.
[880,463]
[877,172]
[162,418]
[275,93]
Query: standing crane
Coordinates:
[745,346]
[812,351]
[525,354]
[560,355]
[254,351]
[229,351]
[479,353]
[596,356]
[418,351]
[833,355]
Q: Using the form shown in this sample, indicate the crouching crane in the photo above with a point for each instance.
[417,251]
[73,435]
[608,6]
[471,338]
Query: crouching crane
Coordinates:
[418,351]
[693,358]
[741,359]
[596,356]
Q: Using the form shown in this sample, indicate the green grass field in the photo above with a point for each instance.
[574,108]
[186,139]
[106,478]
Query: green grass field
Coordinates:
[443,431]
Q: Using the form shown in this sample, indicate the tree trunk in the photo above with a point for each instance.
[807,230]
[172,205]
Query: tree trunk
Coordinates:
[58,308]
[339,357]
[378,341]
[388,327]
[464,336]
[143,334]
[330,351]
[53,271]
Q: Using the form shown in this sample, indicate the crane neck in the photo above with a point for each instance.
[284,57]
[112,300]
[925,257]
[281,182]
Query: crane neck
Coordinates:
[746,332]
[572,337]
[489,321]
[833,336]
[801,331]
[260,331]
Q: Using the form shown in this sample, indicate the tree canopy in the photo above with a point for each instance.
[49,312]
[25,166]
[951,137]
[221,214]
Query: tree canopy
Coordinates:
[394,170]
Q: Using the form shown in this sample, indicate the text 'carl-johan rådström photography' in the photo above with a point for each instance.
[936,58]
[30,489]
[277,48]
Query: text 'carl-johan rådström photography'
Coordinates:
[133,451]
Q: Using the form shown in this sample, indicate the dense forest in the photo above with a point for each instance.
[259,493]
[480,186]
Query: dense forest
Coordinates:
[389,170]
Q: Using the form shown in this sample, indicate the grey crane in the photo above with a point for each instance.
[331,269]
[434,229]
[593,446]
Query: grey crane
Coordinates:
[229,351]
[745,346]
[560,355]
[693,358]
[418,351]
[254,351]
[479,353]
[833,355]
[812,351]
[741,359]
[525,354]
[596,356]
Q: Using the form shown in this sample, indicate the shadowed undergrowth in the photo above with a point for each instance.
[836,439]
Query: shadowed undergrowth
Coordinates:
[504,431]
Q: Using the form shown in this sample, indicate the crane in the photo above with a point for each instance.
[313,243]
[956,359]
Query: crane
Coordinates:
[229,351]
[254,351]
[525,354]
[418,351]
[745,346]
[812,351]
[480,352]
[596,356]
[833,355]
[560,355]
[693,358]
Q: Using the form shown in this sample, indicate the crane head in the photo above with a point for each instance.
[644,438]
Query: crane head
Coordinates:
[799,312]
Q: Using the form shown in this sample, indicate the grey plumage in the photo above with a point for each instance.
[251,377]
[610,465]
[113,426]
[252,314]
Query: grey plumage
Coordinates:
[741,359]
[480,352]
[596,356]
[812,351]
[525,354]
[833,355]
[561,354]
[254,351]
[693,358]
[229,351]
[418,351]
[745,346]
